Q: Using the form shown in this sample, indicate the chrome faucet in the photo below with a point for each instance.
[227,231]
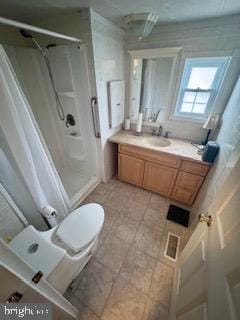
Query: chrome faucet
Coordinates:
[160,129]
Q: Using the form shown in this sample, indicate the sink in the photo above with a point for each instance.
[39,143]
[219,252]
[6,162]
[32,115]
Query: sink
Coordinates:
[157,142]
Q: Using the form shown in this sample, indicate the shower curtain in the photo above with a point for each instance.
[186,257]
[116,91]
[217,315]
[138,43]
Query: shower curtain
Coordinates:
[26,143]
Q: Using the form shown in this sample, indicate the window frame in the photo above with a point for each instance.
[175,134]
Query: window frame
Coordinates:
[221,63]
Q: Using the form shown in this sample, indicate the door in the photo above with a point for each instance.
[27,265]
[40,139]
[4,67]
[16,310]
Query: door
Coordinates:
[158,178]
[207,279]
[130,169]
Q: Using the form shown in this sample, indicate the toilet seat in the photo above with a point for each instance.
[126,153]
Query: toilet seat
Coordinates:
[81,227]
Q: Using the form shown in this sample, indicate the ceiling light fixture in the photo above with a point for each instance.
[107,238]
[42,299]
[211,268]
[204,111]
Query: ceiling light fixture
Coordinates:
[140,24]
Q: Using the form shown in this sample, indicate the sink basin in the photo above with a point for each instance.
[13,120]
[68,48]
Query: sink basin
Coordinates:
[157,142]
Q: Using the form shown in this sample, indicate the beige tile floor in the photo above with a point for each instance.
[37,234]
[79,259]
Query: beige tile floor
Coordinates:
[129,278]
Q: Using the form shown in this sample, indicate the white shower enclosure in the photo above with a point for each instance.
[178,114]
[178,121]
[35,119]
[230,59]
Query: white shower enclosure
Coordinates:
[73,149]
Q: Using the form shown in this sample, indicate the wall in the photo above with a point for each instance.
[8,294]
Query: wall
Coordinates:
[218,36]
[109,55]
[11,36]
[229,140]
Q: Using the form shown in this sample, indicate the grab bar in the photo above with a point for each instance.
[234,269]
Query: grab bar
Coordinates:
[95,117]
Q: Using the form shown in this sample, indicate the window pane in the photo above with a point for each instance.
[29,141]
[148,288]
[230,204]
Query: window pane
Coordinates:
[202,77]
[186,107]
[199,108]
[189,96]
[203,97]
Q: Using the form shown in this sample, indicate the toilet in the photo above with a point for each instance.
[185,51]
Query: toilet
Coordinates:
[61,252]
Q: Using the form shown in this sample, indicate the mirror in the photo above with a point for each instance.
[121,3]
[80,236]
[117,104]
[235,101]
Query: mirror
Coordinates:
[150,82]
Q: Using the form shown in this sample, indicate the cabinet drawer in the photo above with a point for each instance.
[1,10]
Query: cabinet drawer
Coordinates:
[183,195]
[196,168]
[154,156]
[158,178]
[130,169]
[189,180]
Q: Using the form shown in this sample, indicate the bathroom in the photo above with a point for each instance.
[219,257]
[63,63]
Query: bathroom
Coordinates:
[103,135]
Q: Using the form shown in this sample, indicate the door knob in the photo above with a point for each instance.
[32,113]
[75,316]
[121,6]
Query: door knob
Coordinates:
[208,219]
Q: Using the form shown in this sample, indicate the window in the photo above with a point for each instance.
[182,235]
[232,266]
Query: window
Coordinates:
[199,86]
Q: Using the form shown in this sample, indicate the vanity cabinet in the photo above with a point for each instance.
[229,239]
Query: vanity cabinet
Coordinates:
[169,175]
[158,178]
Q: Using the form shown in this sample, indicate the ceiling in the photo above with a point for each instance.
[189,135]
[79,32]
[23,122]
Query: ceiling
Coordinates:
[114,10]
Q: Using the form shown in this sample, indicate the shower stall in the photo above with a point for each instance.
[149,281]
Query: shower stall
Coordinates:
[58,92]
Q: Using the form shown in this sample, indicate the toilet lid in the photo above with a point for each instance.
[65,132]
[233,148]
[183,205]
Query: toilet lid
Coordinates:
[80,228]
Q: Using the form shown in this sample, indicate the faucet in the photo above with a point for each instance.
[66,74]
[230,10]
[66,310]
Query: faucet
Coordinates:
[166,134]
[160,129]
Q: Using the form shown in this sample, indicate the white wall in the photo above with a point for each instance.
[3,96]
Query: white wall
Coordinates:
[208,37]
[229,140]
[11,36]
[109,55]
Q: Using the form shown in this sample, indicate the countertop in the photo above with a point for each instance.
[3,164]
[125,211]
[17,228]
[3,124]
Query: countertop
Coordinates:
[177,147]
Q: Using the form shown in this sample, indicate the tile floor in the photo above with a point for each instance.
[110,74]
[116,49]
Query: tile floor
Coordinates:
[129,278]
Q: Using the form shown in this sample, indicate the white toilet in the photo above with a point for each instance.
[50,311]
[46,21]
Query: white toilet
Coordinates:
[63,251]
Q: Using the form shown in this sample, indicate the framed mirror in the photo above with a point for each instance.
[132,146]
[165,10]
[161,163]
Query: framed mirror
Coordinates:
[151,80]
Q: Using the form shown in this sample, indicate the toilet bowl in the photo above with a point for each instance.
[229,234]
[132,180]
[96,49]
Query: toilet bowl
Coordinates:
[63,251]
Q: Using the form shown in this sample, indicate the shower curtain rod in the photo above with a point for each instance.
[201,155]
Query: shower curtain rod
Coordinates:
[21,25]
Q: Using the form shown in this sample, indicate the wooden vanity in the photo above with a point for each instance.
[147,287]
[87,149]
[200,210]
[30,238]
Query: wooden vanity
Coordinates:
[169,175]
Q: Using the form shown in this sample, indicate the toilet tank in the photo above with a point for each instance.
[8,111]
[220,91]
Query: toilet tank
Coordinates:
[36,249]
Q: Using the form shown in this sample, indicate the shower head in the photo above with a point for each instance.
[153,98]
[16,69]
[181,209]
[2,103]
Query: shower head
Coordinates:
[25,33]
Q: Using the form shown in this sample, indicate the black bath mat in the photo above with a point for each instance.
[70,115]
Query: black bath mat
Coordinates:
[178,215]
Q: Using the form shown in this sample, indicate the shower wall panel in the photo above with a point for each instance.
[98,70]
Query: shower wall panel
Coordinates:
[32,74]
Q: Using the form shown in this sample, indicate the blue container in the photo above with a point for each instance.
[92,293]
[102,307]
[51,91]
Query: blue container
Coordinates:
[210,151]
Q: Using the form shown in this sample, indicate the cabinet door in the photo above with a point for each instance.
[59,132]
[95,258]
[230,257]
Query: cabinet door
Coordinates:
[189,180]
[130,169]
[183,195]
[159,178]
[196,168]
